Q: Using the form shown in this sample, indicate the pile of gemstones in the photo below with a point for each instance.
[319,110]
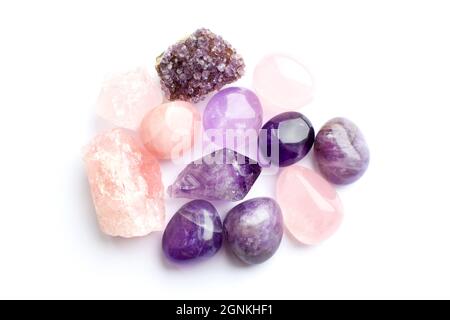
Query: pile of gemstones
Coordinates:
[157,120]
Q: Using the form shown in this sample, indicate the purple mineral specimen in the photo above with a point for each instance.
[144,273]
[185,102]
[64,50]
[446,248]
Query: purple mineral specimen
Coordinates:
[341,151]
[195,231]
[286,138]
[198,65]
[254,229]
[222,175]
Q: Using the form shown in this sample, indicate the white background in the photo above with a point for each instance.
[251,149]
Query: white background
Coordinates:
[383,64]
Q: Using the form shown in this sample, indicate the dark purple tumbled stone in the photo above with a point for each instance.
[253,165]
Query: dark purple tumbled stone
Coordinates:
[195,231]
[222,175]
[286,139]
[254,229]
[341,151]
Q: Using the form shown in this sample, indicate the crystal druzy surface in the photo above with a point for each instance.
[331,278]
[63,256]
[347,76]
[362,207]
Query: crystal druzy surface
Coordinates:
[198,65]
[195,231]
[222,175]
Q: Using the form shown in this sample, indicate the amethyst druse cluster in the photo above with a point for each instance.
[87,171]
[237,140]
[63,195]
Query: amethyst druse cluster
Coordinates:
[200,64]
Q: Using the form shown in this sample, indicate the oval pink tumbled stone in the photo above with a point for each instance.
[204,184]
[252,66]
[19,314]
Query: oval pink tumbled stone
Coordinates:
[169,130]
[311,207]
[282,83]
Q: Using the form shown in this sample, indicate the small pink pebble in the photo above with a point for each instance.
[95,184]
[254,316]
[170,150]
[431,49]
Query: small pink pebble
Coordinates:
[126,97]
[282,83]
[126,185]
[311,207]
[169,130]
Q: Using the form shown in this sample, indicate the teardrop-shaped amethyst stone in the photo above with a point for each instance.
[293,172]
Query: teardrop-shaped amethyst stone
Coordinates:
[195,231]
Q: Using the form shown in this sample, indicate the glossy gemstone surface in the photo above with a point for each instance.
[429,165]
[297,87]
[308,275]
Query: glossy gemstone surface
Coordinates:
[254,229]
[341,151]
[282,83]
[222,175]
[232,112]
[195,231]
[126,185]
[286,139]
[311,207]
[126,97]
[168,130]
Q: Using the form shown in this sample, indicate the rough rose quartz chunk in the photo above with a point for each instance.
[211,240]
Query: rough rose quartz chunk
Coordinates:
[311,207]
[126,97]
[282,83]
[169,130]
[125,184]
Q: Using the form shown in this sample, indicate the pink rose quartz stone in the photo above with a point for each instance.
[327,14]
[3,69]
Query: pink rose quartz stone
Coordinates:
[126,97]
[282,83]
[126,185]
[169,130]
[311,207]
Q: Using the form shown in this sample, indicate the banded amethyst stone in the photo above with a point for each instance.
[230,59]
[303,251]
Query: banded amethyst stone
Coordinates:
[222,175]
[341,151]
[254,229]
[198,65]
[195,231]
[286,138]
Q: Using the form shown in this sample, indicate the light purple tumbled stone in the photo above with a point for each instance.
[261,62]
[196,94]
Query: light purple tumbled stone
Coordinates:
[341,151]
[254,229]
[232,112]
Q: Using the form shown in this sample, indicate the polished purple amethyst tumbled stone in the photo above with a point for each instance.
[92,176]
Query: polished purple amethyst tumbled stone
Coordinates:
[253,229]
[195,231]
[286,139]
[232,114]
[341,151]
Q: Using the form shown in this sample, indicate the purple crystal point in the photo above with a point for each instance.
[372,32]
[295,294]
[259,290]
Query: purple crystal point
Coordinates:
[198,65]
[222,175]
[341,151]
[195,231]
[254,229]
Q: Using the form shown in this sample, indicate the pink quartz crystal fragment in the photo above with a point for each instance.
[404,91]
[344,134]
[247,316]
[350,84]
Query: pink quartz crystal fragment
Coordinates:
[282,83]
[311,207]
[126,97]
[169,130]
[126,185]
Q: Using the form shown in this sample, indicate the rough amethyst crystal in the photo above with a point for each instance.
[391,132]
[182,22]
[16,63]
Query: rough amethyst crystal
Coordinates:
[198,65]
[195,231]
[341,151]
[254,229]
[222,175]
